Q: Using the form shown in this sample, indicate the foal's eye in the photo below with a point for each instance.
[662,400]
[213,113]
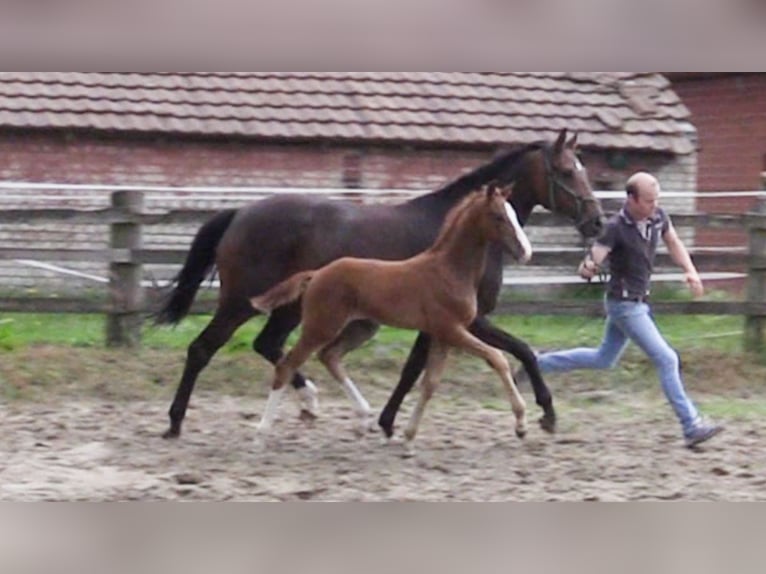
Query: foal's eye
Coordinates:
[499,218]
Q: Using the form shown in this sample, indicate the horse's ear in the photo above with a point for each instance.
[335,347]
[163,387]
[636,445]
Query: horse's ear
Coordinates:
[572,143]
[559,145]
[508,191]
[490,190]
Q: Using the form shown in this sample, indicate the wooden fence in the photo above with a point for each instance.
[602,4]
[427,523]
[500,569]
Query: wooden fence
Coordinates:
[125,300]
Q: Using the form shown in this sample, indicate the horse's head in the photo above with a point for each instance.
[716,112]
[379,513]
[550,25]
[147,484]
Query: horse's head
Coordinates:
[502,224]
[567,189]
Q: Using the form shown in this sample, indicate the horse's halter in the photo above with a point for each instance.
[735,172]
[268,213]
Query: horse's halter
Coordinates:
[554,181]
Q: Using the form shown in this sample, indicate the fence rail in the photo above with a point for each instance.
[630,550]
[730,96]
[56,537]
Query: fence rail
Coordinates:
[125,300]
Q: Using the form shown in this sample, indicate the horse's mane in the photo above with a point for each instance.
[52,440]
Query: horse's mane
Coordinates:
[491,171]
[455,216]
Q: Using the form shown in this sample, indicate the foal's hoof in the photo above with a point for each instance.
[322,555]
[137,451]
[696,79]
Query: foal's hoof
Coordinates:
[548,423]
[521,433]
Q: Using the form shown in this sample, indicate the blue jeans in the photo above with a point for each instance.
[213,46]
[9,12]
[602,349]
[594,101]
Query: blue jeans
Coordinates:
[630,321]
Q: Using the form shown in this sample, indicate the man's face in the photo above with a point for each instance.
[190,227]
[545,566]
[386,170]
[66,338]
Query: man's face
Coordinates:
[645,203]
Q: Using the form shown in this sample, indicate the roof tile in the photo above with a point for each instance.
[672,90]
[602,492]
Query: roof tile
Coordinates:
[614,109]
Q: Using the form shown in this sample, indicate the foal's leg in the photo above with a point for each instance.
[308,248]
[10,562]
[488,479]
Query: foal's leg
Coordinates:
[283,373]
[488,333]
[270,343]
[484,330]
[437,359]
[352,337]
[464,340]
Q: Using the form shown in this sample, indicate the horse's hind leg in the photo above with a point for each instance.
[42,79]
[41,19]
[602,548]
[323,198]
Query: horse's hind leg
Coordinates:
[488,333]
[352,337]
[270,344]
[462,339]
[437,359]
[220,329]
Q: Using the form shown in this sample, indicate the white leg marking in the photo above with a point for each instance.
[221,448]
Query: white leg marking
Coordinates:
[362,407]
[270,411]
[308,398]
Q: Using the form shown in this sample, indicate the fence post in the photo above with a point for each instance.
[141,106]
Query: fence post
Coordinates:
[126,299]
[756,275]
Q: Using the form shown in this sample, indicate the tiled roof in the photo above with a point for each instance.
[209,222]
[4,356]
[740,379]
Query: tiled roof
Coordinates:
[612,110]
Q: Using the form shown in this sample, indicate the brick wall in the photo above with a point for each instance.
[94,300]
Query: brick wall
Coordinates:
[729,113]
[730,116]
[82,159]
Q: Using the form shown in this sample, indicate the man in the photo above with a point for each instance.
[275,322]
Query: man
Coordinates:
[629,243]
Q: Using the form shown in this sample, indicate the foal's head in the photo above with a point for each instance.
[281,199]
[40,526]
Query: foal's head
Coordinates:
[500,222]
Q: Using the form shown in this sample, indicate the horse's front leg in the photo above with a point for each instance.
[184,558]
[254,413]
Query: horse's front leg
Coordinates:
[488,333]
[416,362]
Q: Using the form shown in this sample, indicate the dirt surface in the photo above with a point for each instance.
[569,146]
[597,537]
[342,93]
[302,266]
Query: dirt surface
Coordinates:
[609,447]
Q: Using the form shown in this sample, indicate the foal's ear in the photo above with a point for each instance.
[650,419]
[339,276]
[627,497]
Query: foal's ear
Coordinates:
[490,190]
[572,143]
[507,191]
[561,141]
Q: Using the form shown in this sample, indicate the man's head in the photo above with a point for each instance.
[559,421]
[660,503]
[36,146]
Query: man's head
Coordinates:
[643,191]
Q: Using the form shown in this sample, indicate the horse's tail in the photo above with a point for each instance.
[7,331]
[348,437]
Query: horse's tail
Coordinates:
[285,292]
[200,262]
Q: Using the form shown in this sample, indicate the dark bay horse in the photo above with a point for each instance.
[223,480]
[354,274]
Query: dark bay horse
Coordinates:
[434,292]
[261,244]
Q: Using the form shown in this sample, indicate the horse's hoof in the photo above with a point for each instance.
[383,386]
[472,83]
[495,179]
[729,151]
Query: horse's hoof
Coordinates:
[307,416]
[548,423]
[521,433]
[386,426]
[171,433]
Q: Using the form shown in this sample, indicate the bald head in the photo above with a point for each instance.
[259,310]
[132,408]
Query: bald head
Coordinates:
[643,195]
[642,183]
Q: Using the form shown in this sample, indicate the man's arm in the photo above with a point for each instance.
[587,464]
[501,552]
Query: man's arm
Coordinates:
[591,265]
[681,257]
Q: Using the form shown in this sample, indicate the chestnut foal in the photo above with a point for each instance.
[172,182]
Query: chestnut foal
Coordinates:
[434,292]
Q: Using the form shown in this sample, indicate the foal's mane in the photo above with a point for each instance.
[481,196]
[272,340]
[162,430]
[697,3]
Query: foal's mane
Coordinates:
[455,217]
[497,169]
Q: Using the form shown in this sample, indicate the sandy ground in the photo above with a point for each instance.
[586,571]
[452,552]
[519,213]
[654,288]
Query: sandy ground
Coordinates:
[604,450]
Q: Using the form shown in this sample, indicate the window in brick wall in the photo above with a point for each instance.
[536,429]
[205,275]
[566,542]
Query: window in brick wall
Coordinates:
[352,170]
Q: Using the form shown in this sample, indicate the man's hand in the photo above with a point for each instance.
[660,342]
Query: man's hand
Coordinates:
[588,269]
[695,283]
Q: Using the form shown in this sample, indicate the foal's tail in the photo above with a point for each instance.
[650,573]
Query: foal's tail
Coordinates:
[282,293]
[200,262]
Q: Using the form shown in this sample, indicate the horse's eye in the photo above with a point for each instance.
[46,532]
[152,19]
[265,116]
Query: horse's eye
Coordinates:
[499,218]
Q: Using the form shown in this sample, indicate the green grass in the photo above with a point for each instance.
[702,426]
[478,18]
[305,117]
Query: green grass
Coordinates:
[47,356]
[720,333]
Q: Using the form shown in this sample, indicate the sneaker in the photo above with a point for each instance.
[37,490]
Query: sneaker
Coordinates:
[701,433]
